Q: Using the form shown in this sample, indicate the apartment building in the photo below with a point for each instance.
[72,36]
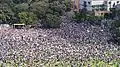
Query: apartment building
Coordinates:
[100,7]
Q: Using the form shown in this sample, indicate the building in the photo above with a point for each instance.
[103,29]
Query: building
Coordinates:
[100,7]
[117,7]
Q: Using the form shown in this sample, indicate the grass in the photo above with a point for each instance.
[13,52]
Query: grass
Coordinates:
[61,63]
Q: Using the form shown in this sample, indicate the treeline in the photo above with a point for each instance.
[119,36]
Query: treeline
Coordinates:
[46,12]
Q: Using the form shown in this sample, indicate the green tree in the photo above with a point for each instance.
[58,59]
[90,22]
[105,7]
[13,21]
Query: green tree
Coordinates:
[27,18]
[116,31]
[68,5]
[6,14]
[22,10]
[39,8]
[44,9]
[51,21]
[21,7]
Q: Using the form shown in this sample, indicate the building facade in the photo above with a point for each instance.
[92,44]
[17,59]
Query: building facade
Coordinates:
[98,6]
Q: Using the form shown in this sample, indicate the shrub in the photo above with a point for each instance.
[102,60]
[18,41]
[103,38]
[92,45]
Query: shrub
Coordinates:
[21,7]
[86,16]
[27,11]
[51,21]
[79,16]
[116,31]
[68,4]
[49,12]
[27,17]
[6,15]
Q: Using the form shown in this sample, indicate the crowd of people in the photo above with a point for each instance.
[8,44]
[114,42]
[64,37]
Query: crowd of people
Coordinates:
[72,40]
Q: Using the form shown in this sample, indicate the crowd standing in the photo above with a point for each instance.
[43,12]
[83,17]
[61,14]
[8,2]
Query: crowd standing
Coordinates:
[71,41]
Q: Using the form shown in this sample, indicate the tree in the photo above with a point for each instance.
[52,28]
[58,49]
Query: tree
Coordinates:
[39,8]
[42,9]
[116,26]
[19,1]
[51,21]
[6,14]
[27,17]
[21,7]
[68,4]
[116,32]
[45,9]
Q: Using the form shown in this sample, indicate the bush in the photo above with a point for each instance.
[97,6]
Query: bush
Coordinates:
[6,15]
[86,16]
[117,23]
[68,4]
[116,31]
[21,7]
[49,12]
[51,21]
[79,16]
[27,18]
[27,11]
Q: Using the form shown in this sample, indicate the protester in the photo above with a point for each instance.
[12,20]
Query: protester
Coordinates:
[71,40]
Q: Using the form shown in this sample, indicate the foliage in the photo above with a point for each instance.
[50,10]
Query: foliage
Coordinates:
[84,15]
[6,14]
[107,15]
[19,1]
[116,26]
[80,16]
[39,8]
[118,14]
[116,31]
[113,15]
[51,21]
[21,7]
[49,11]
[110,15]
[57,8]
[42,8]
[68,4]
[27,17]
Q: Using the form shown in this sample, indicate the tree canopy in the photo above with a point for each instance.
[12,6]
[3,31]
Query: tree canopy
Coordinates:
[11,11]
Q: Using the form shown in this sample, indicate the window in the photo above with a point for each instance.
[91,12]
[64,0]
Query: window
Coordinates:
[109,2]
[105,2]
[117,2]
[102,14]
[114,5]
[84,4]
[89,2]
